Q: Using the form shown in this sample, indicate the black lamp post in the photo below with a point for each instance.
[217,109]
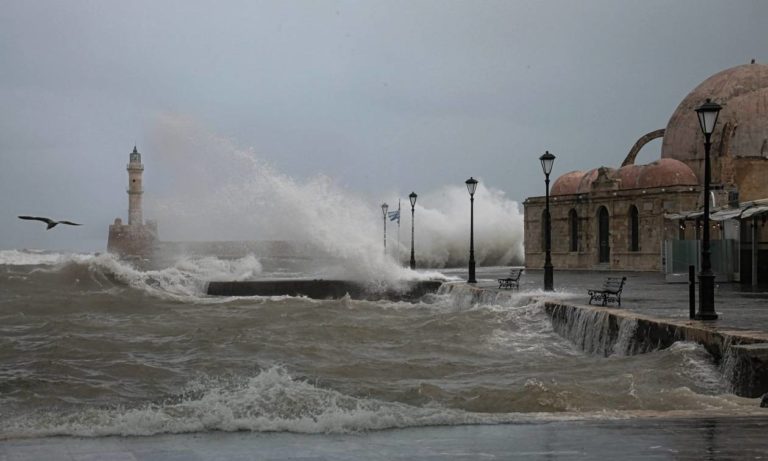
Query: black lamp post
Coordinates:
[471,186]
[413,204]
[707,113]
[384,208]
[547,160]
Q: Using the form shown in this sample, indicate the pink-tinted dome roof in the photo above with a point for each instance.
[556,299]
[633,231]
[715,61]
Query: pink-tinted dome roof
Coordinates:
[575,182]
[661,173]
[743,93]
[666,172]
[567,184]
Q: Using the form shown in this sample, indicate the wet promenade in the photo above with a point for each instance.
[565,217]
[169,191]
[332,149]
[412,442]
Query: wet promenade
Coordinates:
[657,439]
[738,306]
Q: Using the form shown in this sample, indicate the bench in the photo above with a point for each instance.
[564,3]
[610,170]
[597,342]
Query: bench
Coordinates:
[513,280]
[610,292]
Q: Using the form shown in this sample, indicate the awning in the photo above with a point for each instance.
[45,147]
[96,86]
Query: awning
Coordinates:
[722,215]
[746,210]
[685,215]
[754,211]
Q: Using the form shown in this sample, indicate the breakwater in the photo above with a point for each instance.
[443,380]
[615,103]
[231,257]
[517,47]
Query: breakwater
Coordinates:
[742,355]
[325,289]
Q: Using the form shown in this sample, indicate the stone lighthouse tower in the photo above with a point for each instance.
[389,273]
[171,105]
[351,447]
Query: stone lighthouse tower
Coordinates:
[135,190]
[135,239]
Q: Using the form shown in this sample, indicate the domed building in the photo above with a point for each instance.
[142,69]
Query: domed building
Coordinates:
[648,217]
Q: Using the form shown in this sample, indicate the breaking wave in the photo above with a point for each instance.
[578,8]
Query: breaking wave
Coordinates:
[271,401]
[220,191]
[37,257]
[185,280]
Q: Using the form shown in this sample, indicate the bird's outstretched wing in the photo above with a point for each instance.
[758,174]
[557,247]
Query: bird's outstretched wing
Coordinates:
[51,223]
[38,218]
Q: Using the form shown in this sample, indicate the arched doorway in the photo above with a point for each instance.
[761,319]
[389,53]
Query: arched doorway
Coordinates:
[634,229]
[603,231]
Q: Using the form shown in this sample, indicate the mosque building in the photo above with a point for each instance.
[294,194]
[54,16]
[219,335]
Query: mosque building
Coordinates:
[648,217]
[136,238]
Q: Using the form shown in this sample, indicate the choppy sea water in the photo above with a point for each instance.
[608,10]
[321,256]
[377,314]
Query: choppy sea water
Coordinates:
[93,346]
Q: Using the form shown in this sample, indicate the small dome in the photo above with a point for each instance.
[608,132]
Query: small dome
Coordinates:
[629,176]
[743,93]
[567,184]
[661,173]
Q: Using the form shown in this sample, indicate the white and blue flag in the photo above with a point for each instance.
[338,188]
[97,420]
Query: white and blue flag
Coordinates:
[394,216]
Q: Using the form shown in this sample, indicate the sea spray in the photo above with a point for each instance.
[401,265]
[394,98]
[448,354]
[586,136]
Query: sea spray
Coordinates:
[219,191]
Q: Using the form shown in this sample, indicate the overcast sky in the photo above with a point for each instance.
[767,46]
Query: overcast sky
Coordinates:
[383,97]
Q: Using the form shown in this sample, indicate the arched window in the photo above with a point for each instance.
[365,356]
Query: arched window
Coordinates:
[634,229]
[603,235]
[573,224]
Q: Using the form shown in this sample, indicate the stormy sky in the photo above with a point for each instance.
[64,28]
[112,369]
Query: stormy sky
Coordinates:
[382,97]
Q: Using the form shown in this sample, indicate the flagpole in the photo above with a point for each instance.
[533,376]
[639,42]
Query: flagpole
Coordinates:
[398,231]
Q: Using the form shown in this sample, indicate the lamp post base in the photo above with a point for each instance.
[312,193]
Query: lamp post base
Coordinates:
[471,278]
[706,297]
[549,278]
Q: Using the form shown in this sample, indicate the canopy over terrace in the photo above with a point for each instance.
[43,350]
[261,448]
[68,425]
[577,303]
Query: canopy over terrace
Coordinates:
[744,211]
[754,209]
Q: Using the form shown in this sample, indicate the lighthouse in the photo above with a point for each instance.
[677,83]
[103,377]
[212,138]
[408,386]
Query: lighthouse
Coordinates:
[135,190]
[135,239]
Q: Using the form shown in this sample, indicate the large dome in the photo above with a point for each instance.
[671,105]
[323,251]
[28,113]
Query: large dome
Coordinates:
[743,121]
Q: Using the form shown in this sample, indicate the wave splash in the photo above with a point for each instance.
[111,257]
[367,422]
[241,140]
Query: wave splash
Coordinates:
[220,191]
[185,280]
[268,402]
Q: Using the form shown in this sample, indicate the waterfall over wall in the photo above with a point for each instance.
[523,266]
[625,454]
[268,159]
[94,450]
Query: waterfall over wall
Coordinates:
[743,359]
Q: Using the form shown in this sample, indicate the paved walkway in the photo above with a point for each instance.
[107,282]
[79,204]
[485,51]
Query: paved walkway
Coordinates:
[662,439]
[738,306]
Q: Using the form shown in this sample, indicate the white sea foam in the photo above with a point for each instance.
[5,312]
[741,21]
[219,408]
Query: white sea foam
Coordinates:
[185,280]
[38,257]
[223,192]
[271,401]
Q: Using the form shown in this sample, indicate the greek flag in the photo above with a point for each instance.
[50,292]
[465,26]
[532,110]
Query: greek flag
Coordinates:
[394,216]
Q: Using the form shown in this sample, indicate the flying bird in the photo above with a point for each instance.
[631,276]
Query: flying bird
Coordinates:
[51,223]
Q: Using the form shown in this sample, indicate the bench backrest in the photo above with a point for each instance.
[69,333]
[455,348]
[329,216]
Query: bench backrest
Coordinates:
[614,284]
[515,274]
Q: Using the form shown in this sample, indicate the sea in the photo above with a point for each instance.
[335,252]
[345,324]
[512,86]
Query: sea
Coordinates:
[94,346]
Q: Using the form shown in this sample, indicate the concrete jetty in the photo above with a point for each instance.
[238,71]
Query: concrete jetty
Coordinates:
[325,289]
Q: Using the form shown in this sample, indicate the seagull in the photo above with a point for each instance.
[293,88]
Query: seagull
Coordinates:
[51,223]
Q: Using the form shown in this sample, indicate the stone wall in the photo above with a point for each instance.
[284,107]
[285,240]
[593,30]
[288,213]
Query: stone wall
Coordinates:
[132,240]
[653,228]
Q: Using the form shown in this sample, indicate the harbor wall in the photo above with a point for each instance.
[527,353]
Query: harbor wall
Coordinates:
[741,355]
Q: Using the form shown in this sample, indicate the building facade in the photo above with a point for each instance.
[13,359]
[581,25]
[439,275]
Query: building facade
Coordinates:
[624,218]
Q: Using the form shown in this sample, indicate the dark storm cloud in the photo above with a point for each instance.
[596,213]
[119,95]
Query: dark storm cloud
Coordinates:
[381,95]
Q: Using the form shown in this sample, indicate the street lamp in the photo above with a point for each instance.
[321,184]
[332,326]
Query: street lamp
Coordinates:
[384,208]
[413,204]
[707,113]
[547,160]
[471,186]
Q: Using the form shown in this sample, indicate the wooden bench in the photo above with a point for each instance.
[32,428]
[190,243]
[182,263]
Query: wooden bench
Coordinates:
[610,292]
[513,281]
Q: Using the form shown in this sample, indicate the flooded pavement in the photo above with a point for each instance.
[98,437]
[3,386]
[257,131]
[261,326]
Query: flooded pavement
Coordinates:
[659,439]
[738,306]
